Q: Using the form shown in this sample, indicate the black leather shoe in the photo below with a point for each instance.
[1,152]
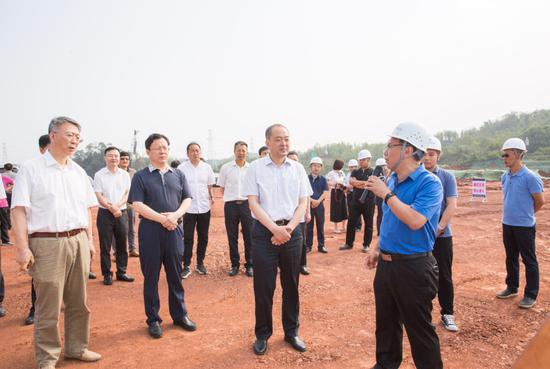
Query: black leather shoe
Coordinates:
[250,271]
[296,343]
[125,278]
[346,247]
[260,346]
[108,280]
[304,270]
[30,318]
[323,249]
[155,330]
[234,271]
[2,311]
[187,324]
[92,275]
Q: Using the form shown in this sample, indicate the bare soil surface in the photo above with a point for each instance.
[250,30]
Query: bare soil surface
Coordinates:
[337,307]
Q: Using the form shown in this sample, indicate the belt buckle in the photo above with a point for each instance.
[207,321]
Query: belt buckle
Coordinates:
[386,257]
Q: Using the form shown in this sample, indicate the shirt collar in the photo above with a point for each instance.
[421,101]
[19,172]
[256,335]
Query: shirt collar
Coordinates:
[50,160]
[246,164]
[436,170]
[519,173]
[268,161]
[152,168]
[414,175]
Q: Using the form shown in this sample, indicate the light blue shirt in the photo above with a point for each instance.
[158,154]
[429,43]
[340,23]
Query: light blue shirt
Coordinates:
[519,205]
[448,181]
[279,188]
[424,193]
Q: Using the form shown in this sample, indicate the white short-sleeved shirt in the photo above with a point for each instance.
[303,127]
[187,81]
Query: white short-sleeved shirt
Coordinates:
[231,179]
[56,198]
[279,189]
[198,178]
[111,185]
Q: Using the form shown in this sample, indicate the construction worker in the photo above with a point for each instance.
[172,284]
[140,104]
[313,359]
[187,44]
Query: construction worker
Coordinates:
[522,199]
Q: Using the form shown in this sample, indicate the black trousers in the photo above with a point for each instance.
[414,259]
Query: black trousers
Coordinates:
[159,246]
[267,258]
[5,224]
[303,258]
[202,222]
[443,253]
[317,218]
[235,213]
[379,213]
[403,292]
[131,231]
[357,210]
[521,241]
[108,227]
[349,198]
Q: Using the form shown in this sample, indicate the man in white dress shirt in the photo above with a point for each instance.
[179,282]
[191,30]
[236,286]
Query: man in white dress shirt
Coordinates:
[236,208]
[200,178]
[51,202]
[111,186]
[278,190]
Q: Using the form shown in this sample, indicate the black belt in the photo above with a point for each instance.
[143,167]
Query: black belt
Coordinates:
[121,210]
[282,222]
[64,234]
[395,257]
[237,202]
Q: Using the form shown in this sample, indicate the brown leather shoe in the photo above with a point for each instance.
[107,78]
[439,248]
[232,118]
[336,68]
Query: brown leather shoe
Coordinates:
[87,355]
[134,254]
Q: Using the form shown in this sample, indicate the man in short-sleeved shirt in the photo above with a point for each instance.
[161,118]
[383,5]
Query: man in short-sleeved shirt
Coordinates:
[523,197]
[236,209]
[200,178]
[277,190]
[443,248]
[51,203]
[111,185]
[406,275]
[161,196]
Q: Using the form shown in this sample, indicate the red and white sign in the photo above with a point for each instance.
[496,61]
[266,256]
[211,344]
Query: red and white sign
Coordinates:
[479,188]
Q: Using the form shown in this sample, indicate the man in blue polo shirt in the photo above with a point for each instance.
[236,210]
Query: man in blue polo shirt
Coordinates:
[443,248]
[522,199]
[161,196]
[406,277]
[319,185]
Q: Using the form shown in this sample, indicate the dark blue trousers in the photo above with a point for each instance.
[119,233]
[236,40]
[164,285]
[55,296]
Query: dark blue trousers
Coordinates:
[159,246]
[267,258]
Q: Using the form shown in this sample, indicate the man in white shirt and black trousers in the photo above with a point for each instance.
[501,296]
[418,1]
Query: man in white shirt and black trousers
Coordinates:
[236,208]
[277,190]
[111,186]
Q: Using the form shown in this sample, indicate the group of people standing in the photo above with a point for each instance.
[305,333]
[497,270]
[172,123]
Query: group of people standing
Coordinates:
[277,205]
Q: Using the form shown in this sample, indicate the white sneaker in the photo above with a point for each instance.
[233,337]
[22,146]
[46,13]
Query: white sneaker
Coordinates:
[448,321]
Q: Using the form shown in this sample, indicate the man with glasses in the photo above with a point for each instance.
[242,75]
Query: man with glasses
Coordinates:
[523,197]
[125,165]
[52,197]
[200,178]
[161,196]
[405,282]
[111,186]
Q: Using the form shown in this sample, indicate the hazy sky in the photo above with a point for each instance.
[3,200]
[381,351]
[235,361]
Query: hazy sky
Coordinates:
[330,70]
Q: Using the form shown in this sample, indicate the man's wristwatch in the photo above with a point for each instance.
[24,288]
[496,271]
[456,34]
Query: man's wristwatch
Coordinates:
[388,196]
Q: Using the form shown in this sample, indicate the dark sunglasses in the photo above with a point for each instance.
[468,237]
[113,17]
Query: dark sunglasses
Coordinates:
[504,155]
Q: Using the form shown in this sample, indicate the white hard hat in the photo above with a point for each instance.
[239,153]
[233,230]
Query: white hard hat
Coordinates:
[380,161]
[434,143]
[316,160]
[364,154]
[514,143]
[353,163]
[412,133]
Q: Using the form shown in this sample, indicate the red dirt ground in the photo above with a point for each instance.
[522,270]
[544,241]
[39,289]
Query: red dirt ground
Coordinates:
[337,308]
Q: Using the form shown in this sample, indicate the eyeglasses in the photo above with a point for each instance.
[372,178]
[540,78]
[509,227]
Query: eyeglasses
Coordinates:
[504,156]
[389,146]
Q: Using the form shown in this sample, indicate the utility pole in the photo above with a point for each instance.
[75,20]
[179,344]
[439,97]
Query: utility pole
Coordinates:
[134,143]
